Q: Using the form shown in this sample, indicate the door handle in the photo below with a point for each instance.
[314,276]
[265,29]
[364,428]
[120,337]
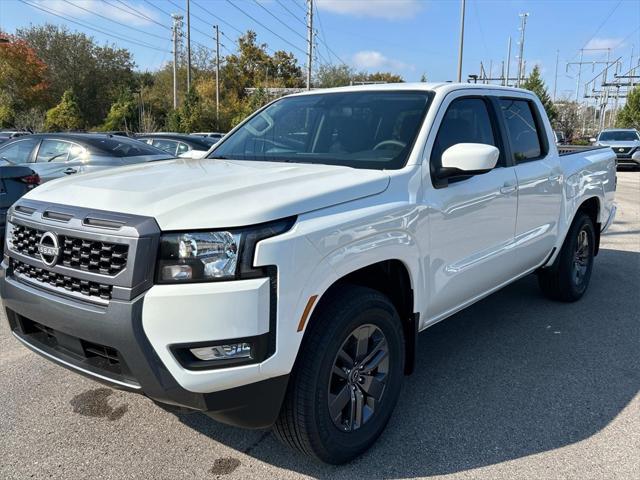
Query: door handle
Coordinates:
[508,188]
[554,178]
[70,171]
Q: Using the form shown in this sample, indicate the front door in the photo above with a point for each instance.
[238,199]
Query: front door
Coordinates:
[471,219]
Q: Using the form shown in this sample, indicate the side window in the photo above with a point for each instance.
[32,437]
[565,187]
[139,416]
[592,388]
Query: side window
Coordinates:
[467,120]
[522,129]
[182,148]
[168,146]
[53,151]
[19,152]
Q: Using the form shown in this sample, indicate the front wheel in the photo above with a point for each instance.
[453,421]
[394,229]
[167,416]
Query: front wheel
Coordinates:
[567,280]
[347,379]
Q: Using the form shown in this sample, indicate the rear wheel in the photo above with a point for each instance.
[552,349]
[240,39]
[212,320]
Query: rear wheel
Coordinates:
[347,379]
[567,280]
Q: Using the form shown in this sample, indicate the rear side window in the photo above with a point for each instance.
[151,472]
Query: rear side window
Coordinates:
[467,121]
[18,152]
[168,146]
[522,128]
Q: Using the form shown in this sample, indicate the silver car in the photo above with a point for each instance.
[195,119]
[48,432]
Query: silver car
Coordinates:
[624,142]
[54,155]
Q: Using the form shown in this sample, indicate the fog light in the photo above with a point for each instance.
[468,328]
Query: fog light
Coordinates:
[232,351]
[177,272]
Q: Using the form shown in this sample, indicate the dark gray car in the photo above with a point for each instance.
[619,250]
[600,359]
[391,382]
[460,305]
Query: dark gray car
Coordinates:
[55,155]
[14,183]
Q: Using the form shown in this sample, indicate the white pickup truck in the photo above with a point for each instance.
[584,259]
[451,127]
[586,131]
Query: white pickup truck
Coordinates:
[283,280]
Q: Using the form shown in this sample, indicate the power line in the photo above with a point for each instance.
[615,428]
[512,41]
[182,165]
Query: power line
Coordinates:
[217,17]
[115,21]
[291,13]
[326,44]
[89,26]
[265,27]
[599,27]
[135,12]
[279,20]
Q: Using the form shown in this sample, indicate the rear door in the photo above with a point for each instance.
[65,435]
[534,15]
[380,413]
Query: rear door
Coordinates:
[471,219]
[540,180]
[57,158]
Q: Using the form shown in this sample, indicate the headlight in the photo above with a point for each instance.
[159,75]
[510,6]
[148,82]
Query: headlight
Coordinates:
[215,255]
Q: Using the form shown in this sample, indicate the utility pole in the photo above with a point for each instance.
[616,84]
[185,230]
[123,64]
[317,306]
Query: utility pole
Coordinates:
[309,41]
[175,32]
[460,51]
[506,81]
[217,76]
[579,75]
[523,26]
[188,48]
[555,81]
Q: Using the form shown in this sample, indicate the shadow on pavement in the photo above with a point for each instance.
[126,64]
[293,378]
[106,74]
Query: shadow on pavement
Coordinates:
[511,376]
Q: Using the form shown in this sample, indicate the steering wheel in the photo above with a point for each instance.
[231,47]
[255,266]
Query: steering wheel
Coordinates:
[384,143]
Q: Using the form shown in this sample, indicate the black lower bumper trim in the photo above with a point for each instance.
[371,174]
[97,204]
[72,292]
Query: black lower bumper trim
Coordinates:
[118,326]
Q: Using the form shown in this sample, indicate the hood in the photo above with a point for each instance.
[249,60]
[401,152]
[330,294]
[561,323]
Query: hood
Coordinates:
[613,144]
[206,193]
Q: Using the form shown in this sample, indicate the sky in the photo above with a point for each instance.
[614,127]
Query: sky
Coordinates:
[408,37]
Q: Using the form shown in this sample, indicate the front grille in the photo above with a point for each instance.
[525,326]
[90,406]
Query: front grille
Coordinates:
[75,285]
[88,255]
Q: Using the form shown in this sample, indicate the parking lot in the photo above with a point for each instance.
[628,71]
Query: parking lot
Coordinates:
[514,387]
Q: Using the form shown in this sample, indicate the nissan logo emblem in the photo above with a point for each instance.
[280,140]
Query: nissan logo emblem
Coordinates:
[621,149]
[49,249]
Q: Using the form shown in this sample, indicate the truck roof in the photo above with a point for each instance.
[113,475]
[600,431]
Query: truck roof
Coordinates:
[411,86]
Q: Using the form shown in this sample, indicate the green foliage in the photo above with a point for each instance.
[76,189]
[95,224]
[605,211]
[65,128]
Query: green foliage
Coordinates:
[629,116]
[97,74]
[7,112]
[535,84]
[342,75]
[122,114]
[65,115]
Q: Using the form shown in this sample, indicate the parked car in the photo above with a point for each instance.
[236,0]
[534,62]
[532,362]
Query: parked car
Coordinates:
[6,135]
[624,142]
[560,137]
[54,155]
[14,183]
[217,136]
[282,281]
[178,145]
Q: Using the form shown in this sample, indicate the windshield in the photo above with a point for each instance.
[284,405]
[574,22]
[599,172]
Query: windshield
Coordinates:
[619,136]
[119,146]
[356,129]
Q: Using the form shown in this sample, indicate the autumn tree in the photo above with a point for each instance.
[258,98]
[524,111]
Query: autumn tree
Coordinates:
[22,79]
[535,84]
[629,116]
[96,74]
[65,115]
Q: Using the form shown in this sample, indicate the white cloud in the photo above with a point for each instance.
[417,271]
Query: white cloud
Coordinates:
[371,60]
[387,9]
[604,43]
[86,9]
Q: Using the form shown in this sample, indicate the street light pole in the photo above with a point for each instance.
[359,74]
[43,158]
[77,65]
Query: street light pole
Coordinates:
[461,41]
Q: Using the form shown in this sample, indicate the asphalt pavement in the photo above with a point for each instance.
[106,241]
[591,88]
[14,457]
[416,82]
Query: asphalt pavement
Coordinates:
[514,387]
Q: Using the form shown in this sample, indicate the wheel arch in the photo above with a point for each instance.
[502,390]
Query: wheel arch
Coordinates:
[392,278]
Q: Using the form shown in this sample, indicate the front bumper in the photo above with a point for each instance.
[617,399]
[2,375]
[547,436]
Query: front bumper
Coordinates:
[126,344]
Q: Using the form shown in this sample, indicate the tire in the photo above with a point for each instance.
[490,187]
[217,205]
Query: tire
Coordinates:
[568,279]
[305,422]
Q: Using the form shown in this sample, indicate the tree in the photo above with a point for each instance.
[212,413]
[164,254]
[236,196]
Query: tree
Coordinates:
[334,76]
[383,77]
[629,116]
[122,114]
[96,74]
[22,79]
[65,115]
[535,84]
[568,119]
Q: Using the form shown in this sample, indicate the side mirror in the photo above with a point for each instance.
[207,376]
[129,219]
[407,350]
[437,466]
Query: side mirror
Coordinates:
[464,159]
[592,140]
